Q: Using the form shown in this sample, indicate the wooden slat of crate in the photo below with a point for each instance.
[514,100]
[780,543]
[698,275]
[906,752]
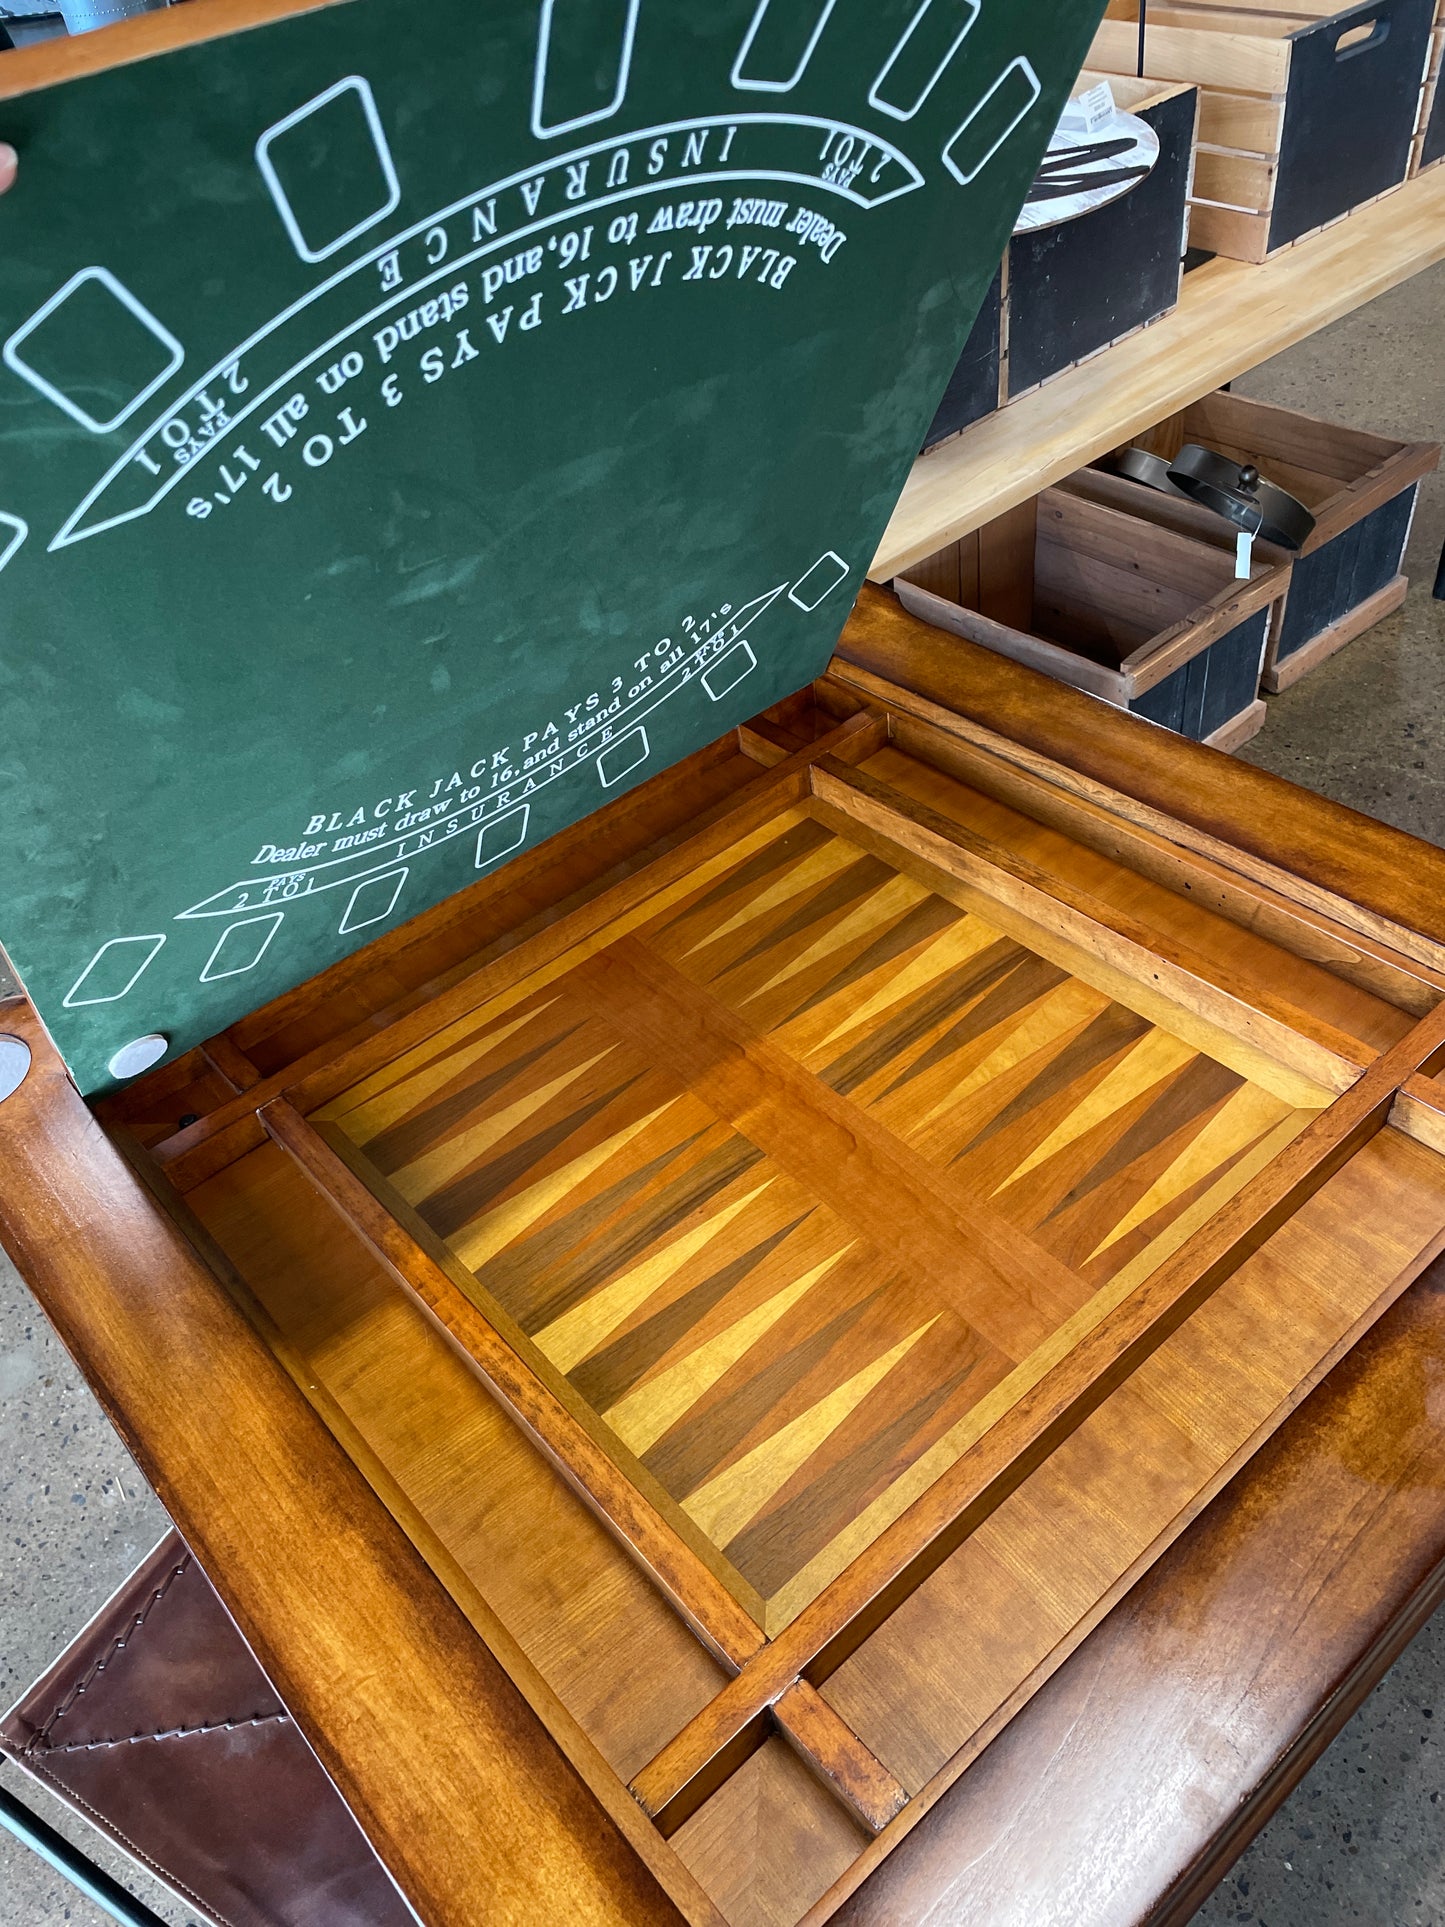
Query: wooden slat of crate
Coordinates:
[1241,57]
[1149,595]
[1233,64]
[1343,475]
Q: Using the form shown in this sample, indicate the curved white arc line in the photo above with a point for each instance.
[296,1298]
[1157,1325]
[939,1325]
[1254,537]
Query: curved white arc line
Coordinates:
[65,538]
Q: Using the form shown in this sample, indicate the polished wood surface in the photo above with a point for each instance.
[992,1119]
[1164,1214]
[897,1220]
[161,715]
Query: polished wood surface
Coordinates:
[1016,1068]
[715,1259]
[1355,870]
[1125,1789]
[412,1717]
[1230,318]
[713,1176]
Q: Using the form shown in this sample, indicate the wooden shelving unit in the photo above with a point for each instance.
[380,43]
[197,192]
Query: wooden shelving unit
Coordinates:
[1231,317]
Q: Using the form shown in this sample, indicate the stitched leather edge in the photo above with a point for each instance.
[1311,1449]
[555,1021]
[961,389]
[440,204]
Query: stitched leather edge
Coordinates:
[41,1739]
[169,1733]
[114,1833]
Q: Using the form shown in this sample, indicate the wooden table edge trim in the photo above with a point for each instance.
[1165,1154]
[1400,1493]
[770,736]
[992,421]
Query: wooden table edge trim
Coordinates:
[1291,1036]
[1250,902]
[937,1789]
[1188,1893]
[1388,885]
[167,1352]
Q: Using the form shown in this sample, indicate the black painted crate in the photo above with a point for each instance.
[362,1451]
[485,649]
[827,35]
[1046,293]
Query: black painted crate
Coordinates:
[1430,144]
[1148,618]
[1361,489]
[1079,287]
[1306,114]
[973,388]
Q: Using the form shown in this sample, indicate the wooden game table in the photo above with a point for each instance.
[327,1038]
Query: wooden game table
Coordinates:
[1127,1781]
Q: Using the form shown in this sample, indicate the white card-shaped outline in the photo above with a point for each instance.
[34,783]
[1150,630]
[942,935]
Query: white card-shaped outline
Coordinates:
[738,649]
[523,811]
[626,737]
[1014,67]
[353,83]
[275,918]
[143,315]
[838,573]
[897,113]
[13,546]
[72,1002]
[346,926]
[540,128]
[776,86]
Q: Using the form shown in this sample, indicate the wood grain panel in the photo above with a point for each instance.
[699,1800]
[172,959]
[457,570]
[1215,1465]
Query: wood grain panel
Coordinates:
[463,1480]
[364,1646]
[1208,1395]
[722,1175]
[770,1843]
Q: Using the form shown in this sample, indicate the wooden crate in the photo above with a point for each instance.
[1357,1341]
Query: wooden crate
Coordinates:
[973,388]
[1361,489]
[1307,113]
[1150,619]
[1070,291]
[1075,289]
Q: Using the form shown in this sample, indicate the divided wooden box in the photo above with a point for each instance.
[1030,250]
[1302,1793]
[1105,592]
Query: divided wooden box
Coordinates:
[1151,619]
[1362,490]
[1068,292]
[1307,112]
[792,1251]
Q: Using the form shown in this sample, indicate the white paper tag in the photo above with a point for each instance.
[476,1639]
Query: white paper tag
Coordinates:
[1087,113]
[1243,554]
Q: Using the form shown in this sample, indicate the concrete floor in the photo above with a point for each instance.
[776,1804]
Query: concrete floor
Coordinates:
[1360,1840]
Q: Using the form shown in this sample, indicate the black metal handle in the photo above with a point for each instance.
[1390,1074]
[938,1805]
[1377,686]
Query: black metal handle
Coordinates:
[57,1852]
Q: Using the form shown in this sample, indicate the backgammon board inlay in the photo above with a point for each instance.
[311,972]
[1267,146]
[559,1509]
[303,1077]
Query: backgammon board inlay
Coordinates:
[798,1183]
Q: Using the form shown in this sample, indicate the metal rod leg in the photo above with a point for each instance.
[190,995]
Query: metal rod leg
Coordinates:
[92,1881]
[1440,579]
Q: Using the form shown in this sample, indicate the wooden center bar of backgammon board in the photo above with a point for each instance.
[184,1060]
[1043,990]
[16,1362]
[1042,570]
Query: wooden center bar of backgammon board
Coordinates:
[862,1202]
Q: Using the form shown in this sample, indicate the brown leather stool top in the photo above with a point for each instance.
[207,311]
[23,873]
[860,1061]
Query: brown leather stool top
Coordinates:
[158,1725]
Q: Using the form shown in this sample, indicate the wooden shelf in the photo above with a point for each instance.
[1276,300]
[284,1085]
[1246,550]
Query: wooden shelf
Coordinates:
[1231,317]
